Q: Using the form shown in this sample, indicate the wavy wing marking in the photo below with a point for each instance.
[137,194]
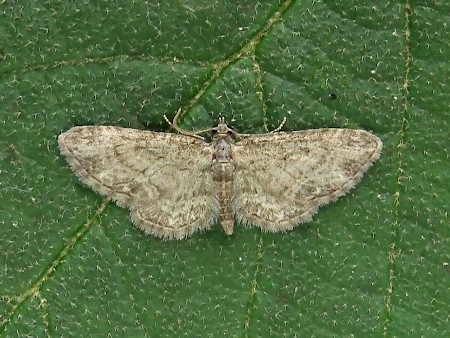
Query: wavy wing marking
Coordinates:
[281,179]
[164,179]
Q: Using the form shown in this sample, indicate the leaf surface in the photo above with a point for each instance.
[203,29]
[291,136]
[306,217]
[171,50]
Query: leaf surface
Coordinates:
[373,263]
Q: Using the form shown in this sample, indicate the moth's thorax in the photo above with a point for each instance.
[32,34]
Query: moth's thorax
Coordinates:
[222,170]
[222,147]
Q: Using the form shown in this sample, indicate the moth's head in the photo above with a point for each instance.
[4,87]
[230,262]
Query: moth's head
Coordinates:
[222,128]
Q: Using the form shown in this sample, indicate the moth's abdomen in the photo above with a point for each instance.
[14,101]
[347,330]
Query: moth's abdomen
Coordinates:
[223,181]
[222,169]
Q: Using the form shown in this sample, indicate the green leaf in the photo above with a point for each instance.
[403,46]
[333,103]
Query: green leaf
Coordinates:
[373,263]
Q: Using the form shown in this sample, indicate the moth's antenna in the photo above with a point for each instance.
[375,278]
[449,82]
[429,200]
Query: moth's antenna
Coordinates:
[277,129]
[175,126]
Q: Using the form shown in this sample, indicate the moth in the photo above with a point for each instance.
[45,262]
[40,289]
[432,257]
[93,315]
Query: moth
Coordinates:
[177,184]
